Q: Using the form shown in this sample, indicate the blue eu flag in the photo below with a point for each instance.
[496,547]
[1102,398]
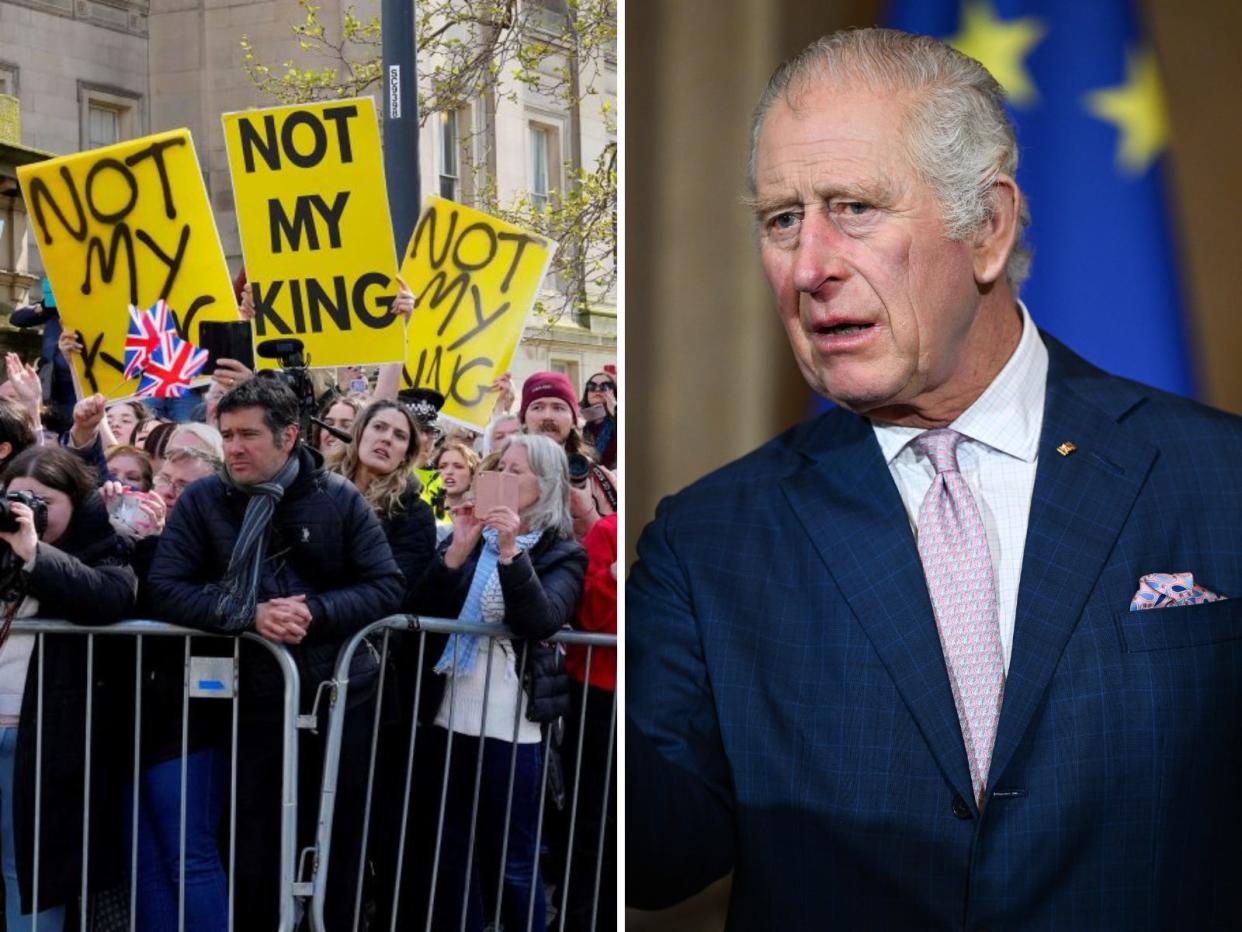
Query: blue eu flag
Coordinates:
[1084,93]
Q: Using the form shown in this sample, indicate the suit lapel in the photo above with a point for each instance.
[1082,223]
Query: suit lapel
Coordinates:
[1080,502]
[849,506]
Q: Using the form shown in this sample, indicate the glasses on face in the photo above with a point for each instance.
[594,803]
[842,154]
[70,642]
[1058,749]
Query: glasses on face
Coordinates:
[177,486]
[600,386]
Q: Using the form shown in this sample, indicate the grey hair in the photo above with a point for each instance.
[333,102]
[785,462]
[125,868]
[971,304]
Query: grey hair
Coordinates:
[485,444]
[204,432]
[181,454]
[960,139]
[551,467]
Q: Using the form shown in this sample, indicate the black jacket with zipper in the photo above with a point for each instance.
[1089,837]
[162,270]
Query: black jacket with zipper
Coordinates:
[324,542]
[84,579]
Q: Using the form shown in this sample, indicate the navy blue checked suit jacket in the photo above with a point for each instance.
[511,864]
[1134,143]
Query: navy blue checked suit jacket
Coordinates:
[789,715]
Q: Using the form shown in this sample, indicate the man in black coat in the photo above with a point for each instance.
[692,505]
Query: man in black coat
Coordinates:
[281,548]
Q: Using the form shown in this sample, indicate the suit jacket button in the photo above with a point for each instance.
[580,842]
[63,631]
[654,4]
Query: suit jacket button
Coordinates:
[961,809]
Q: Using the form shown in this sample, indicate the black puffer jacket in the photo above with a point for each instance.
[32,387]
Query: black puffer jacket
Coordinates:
[411,533]
[83,579]
[325,542]
[541,590]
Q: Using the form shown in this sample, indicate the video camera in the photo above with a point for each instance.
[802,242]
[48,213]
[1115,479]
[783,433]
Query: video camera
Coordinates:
[295,372]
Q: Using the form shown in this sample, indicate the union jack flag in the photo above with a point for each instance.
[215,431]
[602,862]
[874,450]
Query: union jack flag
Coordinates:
[146,330]
[169,370]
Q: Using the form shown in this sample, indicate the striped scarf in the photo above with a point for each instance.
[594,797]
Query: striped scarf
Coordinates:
[236,606]
[462,650]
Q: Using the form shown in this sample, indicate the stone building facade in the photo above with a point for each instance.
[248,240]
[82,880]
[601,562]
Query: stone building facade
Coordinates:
[85,73]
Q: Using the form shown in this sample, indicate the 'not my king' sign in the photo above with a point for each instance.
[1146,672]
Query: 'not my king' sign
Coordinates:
[312,211]
[127,225]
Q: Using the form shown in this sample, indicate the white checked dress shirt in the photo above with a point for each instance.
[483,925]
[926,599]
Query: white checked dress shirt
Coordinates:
[997,459]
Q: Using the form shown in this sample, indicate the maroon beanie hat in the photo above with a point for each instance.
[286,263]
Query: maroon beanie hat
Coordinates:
[547,385]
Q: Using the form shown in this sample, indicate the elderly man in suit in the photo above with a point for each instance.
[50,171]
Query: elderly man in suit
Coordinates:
[906,681]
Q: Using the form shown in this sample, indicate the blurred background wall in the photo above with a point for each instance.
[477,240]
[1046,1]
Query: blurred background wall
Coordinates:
[709,374]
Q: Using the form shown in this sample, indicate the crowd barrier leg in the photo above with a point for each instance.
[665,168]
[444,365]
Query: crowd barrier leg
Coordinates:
[603,827]
[465,794]
[38,787]
[99,775]
[366,811]
[448,756]
[573,806]
[478,790]
[409,775]
[504,844]
[234,732]
[83,912]
[133,802]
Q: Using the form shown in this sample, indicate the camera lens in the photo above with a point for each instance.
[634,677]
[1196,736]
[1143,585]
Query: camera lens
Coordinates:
[579,467]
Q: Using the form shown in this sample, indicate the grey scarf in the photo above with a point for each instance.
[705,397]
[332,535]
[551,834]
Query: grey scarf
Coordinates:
[241,581]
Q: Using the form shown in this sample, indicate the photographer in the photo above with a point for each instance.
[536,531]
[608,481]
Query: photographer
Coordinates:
[62,559]
[550,408]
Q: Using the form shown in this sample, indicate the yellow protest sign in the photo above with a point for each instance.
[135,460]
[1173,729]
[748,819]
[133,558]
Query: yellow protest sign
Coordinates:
[475,279]
[127,224]
[312,210]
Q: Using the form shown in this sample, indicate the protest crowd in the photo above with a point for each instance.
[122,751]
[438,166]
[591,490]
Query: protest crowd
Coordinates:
[302,505]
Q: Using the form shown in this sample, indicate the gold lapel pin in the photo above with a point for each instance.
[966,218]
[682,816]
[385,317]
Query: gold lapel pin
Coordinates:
[1066,448]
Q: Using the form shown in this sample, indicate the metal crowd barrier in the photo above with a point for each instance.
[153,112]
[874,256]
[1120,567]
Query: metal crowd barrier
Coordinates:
[320,854]
[138,630]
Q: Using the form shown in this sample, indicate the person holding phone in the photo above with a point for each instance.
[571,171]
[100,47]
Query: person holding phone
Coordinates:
[515,564]
[599,411]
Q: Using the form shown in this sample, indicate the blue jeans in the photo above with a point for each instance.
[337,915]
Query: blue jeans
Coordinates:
[521,878]
[50,920]
[159,839]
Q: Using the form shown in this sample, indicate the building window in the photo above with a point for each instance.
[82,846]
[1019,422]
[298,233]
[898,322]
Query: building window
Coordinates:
[108,115]
[541,162]
[450,156]
[568,368]
[103,127]
[8,79]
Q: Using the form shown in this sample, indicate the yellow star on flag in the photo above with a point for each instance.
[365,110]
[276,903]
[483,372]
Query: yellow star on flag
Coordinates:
[1001,46]
[1138,111]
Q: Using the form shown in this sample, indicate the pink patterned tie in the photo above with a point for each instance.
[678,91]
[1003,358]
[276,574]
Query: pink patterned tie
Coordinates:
[954,549]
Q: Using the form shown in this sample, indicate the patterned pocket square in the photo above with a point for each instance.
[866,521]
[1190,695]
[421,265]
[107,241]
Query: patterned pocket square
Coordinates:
[1161,590]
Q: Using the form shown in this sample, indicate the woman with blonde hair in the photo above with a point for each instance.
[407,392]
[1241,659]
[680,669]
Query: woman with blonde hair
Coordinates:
[457,464]
[378,462]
